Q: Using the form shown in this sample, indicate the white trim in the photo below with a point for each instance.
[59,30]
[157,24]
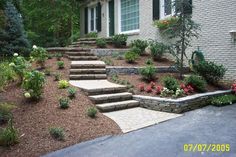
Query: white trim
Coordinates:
[119,21]
[89,19]
[162,10]
[108,26]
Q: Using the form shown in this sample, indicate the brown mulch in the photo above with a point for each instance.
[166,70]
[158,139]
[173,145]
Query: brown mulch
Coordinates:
[141,61]
[33,119]
[136,80]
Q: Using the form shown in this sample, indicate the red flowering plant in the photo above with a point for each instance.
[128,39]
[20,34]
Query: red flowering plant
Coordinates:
[141,87]
[188,89]
[234,88]
[158,90]
[149,89]
[153,84]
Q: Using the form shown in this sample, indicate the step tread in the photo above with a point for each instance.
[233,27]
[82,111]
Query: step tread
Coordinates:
[88,71]
[117,105]
[82,53]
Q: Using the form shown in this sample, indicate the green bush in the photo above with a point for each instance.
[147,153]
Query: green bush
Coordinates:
[9,135]
[57,133]
[20,66]
[101,42]
[210,71]
[130,56]
[33,84]
[157,50]
[91,112]
[223,100]
[72,92]
[40,55]
[5,112]
[57,76]
[149,62]
[7,74]
[64,103]
[148,72]
[63,84]
[119,40]
[136,50]
[170,83]
[58,56]
[141,44]
[197,82]
[60,64]
[92,35]
[47,72]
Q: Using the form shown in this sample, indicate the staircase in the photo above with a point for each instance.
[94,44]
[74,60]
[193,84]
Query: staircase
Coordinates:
[87,42]
[89,74]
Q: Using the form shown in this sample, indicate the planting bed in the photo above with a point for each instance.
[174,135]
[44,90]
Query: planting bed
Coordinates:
[33,119]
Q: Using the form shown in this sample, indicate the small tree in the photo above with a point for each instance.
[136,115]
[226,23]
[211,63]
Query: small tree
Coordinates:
[182,31]
[14,38]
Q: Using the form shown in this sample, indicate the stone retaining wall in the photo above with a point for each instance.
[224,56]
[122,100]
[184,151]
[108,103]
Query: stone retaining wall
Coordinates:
[134,70]
[177,105]
[108,52]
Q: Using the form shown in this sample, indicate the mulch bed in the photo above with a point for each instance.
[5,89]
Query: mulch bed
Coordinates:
[33,119]
[141,61]
[136,80]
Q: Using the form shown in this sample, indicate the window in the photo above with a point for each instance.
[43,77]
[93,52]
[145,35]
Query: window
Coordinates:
[129,10]
[92,19]
[166,8]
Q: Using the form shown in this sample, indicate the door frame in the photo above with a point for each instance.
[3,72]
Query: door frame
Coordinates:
[108,18]
[89,19]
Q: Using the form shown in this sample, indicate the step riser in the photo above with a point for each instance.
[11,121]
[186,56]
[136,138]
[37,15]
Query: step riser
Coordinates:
[79,71]
[87,77]
[118,107]
[88,66]
[106,91]
[114,99]
[79,54]
[79,50]
[82,59]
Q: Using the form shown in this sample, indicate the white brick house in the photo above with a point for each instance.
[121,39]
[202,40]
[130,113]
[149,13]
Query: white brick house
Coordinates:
[135,18]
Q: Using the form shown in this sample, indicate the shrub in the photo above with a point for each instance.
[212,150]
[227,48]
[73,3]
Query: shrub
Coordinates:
[178,93]
[57,76]
[188,89]
[92,35]
[119,40]
[101,42]
[58,56]
[64,103]
[210,71]
[158,49]
[170,83]
[148,72]
[118,56]
[72,92]
[158,89]
[39,54]
[223,100]
[60,64]
[149,62]
[7,74]
[20,66]
[91,112]
[63,84]
[33,84]
[141,44]
[136,50]
[47,72]
[107,61]
[166,92]
[149,89]
[5,112]
[130,56]
[57,133]
[9,135]
[141,87]
[196,82]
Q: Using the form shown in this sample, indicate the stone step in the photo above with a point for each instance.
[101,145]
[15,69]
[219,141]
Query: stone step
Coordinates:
[105,98]
[88,77]
[78,49]
[87,65]
[88,71]
[83,58]
[71,53]
[106,107]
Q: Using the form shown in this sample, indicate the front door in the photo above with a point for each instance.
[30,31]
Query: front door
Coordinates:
[92,19]
[111,20]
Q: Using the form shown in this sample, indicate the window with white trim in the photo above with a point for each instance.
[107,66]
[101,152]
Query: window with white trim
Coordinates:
[92,19]
[166,8]
[129,15]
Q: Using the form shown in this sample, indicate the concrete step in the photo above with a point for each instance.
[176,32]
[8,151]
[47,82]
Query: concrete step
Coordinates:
[71,53]
[88,77]
[88,65]
[88,71]
[83,58]
[106,98]
[107,107]
[104,90]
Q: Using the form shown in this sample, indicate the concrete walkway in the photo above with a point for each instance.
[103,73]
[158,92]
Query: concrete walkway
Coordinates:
[204,126]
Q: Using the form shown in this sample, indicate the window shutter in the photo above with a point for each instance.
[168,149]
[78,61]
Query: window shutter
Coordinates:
[99,17]
[189,8]
[156,9]
[86,20]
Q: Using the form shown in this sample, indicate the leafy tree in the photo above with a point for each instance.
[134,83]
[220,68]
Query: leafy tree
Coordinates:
[12,35]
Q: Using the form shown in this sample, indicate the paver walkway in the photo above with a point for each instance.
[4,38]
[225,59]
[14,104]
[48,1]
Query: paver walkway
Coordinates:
[209,125]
